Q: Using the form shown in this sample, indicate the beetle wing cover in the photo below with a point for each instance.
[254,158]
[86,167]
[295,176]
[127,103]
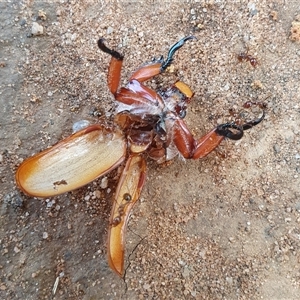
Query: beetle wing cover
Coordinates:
[128,192]
[72,163]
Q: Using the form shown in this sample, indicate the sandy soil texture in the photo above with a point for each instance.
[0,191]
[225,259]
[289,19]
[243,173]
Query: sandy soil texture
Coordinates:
[224,227]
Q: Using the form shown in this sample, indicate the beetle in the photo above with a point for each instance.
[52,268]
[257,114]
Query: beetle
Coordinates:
[147,123]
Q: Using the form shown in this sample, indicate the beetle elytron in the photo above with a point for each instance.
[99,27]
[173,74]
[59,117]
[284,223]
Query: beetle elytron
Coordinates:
[147,123]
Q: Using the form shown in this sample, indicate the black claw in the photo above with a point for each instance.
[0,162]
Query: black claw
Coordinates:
[172,51]
[250,124]
[224,130]
[105,49]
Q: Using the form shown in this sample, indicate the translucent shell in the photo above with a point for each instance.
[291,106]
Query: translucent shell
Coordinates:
[73,162]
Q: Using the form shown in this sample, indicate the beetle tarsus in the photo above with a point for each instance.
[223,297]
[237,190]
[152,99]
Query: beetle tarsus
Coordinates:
[111,52]
[172,51]
[224,130]
[253,123]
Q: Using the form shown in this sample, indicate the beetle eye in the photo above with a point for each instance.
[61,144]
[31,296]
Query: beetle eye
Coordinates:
[182,114]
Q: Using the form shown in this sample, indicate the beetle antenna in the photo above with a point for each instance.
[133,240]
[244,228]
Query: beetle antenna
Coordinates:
[111,52]
[172,51]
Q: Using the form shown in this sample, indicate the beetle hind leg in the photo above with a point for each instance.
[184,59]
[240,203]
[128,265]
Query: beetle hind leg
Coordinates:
[115,66]
[113,53]
[253,123]
[192,148]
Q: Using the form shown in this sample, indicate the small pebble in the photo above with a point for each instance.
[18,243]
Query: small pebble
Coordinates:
[146,286]
[79,125]
[193,293]
[186,272]
[104,183]
[227,86]
[42,15]
[45,235]
[229,280]
[97,194]
[109,30]
[37,29]
[22,22]
[50,203]
[276,148]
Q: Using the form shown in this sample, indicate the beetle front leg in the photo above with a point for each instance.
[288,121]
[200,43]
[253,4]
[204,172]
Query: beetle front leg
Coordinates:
[128,192]
[155,68]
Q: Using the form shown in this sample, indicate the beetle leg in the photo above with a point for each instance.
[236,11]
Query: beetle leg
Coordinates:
[146,72]
[207,144]
[115,66]
[155,68]
[128,191]
[172,51]
[128,97]
[191,148]
[252,123]
[151,95]
[183,139]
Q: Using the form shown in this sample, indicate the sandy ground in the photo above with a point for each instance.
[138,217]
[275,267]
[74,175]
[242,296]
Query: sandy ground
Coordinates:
[225,227]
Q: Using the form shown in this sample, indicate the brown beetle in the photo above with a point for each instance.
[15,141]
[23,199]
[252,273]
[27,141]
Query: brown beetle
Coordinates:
[147,124]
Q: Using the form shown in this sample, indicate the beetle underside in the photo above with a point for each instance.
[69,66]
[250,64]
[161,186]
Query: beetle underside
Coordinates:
[149,124]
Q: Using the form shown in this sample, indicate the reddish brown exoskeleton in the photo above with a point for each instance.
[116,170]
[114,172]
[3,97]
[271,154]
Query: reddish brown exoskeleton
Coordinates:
[148,123]
[244,56]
